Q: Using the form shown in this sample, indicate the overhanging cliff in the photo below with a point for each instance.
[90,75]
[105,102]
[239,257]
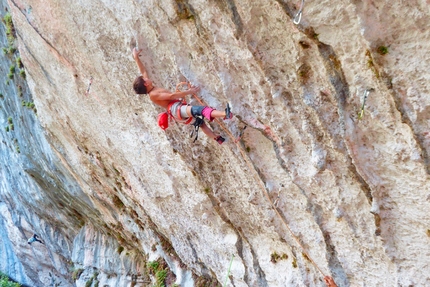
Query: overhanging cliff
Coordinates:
[309,190]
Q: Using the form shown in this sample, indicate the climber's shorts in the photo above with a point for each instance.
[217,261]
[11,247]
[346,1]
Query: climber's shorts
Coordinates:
[202,111]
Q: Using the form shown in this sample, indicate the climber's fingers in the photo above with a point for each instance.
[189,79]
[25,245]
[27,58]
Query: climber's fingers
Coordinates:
[329,281]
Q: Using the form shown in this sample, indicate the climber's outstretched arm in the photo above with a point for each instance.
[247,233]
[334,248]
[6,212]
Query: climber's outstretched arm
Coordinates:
[139,63]
[164,95]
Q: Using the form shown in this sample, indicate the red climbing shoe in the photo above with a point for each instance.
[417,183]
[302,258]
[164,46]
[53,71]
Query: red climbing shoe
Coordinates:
[219,139]
[228,113]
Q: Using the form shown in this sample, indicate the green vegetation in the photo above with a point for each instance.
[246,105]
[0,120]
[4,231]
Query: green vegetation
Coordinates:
[7,128]
[19,63]
[120,249]
[304,73]
[383,50]
[9,120]
[160,277]
[10,29]
[371,64]
[153,265]
[20,94]
[159,269]
[22,74]
[6,282]
[315,36]
[275,257]
[12,69]
[1,96]
[117,202]
[11,50]
[92,279]
[77,273]
[294,262]
[10,34]
[10,76]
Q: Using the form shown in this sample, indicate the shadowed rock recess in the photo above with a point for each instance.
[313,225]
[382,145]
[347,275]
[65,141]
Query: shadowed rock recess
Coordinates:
[310,190]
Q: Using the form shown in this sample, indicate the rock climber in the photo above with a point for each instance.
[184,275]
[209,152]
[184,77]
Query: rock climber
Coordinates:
[34,238]
[178,109]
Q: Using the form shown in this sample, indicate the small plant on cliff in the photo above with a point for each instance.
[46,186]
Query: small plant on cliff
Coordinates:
[160,277]
[19,62]
[9,120]
[153,265]
[10,29]
[77,273]
[10,76]
[22,74]
[6,282]
[120,249]
[383,50]
[275,257]
[12,69]
[11,50]
[159,269]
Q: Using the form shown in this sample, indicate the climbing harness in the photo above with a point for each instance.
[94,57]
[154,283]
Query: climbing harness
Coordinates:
[365,95]
[164,117]
[89,86]
[298,16]
[228,272]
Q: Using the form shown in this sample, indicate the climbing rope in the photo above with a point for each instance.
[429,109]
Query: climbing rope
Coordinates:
[258,179]
[298,16]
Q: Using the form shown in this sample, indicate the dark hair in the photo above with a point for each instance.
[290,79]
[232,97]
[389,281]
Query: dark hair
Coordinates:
[139,85]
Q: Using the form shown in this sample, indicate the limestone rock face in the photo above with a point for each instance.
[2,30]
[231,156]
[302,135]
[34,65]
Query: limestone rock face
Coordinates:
[310,190]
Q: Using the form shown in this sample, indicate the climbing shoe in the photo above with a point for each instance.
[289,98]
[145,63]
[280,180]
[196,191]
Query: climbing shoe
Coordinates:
[228,113]
[219,139]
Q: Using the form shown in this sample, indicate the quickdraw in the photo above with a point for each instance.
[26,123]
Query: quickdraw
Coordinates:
[89,86]
[298,16]
[365,95]
[228,272]
[240,134]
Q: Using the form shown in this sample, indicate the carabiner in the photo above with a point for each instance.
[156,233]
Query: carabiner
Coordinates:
[298,16]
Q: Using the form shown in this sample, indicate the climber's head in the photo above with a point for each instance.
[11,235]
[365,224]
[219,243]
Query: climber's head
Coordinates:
[141,85]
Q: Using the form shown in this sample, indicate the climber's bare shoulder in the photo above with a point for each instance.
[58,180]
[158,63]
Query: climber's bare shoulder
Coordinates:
[160,96]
